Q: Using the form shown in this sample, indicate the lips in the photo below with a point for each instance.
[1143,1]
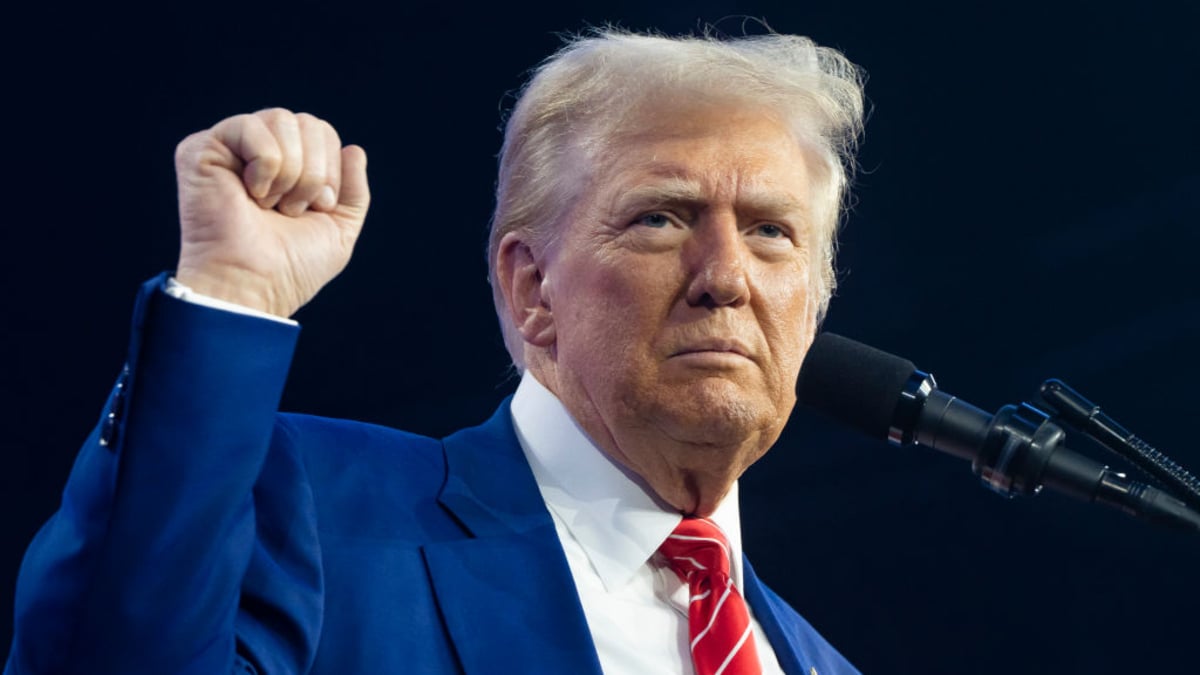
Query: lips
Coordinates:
[723,345]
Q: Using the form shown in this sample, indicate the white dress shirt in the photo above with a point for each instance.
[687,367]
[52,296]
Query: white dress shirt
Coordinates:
[611,525]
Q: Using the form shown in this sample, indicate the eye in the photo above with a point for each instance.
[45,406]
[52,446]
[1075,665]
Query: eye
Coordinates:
[770,231]
[655,220]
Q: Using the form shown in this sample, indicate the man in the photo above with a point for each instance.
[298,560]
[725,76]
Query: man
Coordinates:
[660,255]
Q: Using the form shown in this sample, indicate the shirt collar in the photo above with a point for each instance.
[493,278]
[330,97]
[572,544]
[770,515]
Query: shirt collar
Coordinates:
[609,510]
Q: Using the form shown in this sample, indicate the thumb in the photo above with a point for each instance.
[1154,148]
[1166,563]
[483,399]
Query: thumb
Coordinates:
[354,194]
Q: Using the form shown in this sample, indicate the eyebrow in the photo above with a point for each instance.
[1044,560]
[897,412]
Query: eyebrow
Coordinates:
[672,188]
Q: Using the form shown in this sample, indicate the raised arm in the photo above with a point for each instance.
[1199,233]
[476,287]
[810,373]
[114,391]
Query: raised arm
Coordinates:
[144,567]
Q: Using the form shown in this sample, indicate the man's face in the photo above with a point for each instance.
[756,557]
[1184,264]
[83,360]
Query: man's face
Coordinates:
[681,289]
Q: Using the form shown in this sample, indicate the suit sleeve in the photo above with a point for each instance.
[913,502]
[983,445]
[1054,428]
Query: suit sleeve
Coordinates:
[141,569]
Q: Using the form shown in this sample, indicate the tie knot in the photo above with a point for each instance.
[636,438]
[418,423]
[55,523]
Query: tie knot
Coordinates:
[696,546]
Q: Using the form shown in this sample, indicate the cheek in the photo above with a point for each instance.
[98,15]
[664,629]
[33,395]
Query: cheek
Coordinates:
[790,313]
[603,311]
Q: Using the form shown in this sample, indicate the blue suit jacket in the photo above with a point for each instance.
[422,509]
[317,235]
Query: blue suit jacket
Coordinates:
[202,532]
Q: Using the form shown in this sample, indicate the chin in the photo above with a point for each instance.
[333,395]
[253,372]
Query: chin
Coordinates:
[717,411]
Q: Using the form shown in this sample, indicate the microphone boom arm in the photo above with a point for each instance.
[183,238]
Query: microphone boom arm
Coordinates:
[1020,450]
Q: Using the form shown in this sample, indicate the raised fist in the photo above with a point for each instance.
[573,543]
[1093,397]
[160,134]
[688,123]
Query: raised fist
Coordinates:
[270,205]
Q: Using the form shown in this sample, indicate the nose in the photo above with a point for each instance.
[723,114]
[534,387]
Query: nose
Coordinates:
[717,261]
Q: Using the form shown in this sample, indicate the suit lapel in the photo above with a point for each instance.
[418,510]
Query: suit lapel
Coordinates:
[787,650]
[506,593]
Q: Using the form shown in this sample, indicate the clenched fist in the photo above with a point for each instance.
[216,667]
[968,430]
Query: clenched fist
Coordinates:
[270,205]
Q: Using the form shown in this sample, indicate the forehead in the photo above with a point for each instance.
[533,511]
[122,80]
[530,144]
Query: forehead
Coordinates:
[703,153]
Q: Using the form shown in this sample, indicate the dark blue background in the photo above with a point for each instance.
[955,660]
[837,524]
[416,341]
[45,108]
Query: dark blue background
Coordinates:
[1029,206]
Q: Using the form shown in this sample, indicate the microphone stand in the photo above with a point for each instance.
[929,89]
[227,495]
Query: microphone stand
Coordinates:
[1024,451]
[1086,417]
[1021,449]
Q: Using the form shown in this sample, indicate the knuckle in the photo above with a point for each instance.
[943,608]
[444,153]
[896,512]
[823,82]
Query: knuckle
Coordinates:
[281,122]
[315,161]
[270,159]
[273,114]
[311,181]
[291,163]
[284,183]
[184,149]
[332,134]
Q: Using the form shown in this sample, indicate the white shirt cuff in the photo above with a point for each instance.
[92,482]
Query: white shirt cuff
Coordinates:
[185,293]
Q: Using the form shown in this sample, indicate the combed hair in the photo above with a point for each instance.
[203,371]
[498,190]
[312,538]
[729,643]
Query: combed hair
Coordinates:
[577,100]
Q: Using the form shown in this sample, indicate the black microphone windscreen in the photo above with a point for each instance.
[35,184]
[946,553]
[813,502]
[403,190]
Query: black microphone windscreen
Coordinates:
[853,383]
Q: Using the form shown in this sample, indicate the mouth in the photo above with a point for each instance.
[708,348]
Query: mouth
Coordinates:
[727,346]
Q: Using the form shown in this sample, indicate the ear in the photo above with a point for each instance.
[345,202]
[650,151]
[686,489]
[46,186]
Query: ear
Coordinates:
[525,291]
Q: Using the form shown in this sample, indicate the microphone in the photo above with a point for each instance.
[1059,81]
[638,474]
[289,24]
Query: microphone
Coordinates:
[1019,450]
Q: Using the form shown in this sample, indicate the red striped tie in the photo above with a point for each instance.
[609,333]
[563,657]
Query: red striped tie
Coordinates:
[718,621]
